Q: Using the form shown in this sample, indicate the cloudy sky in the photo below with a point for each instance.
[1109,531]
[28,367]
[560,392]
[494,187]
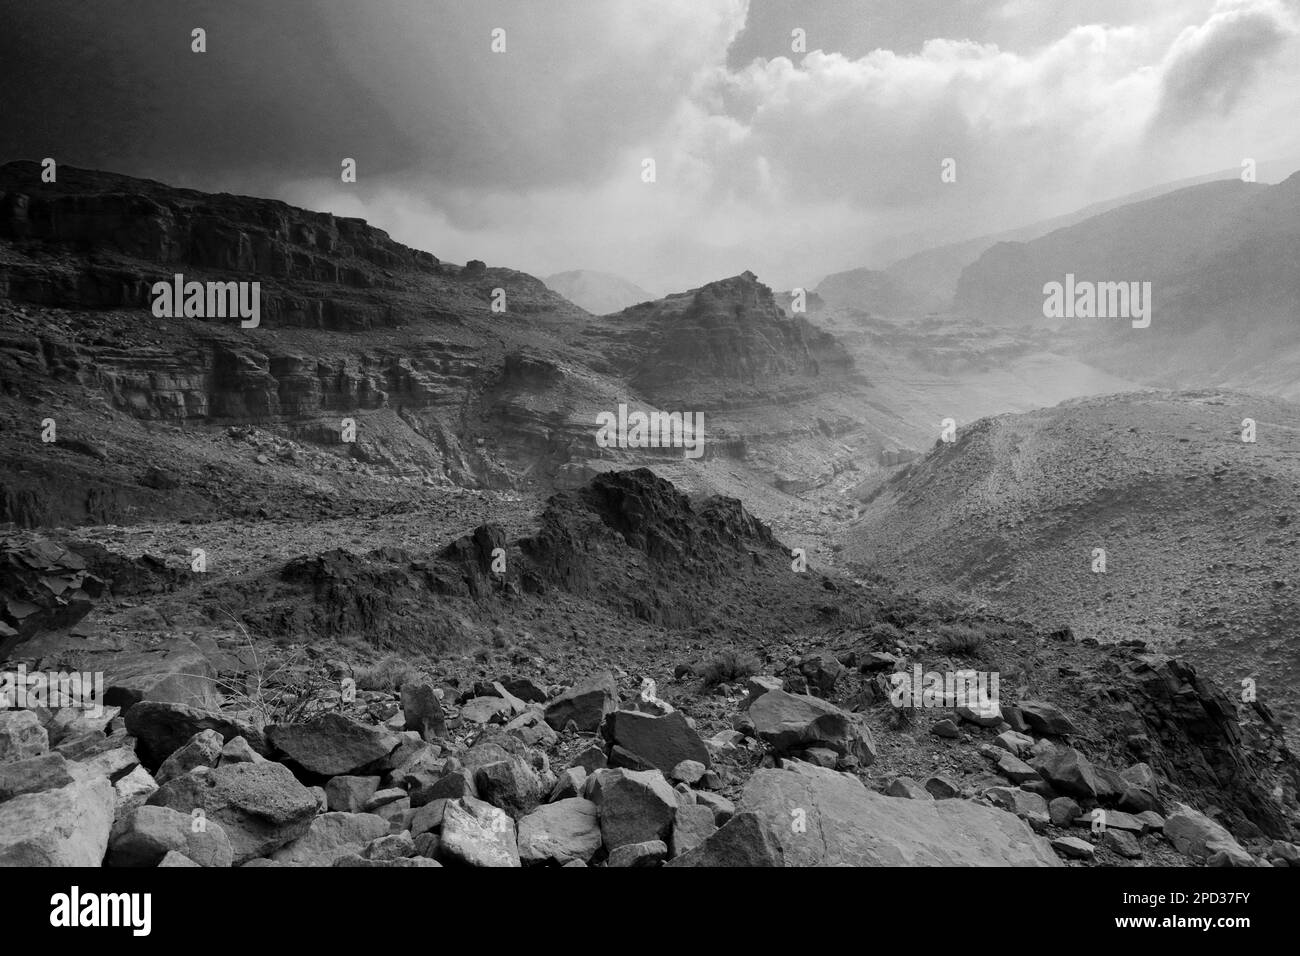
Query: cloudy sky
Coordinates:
[792,163]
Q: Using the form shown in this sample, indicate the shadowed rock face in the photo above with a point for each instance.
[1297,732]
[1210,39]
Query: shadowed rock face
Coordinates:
[141,220]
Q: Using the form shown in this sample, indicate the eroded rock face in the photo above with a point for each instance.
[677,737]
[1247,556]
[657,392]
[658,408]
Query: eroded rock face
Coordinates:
[847,824]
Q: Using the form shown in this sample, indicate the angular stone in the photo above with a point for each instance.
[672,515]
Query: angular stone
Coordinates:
[692,825]
[239,750]
[635,806]
[570,783]
[332,744]
[349,794]
[723,809]
[1029,807]
[161,728]
[847,824]
[152,832]
[746,840]
[33,774]
[21,735]
[986,717]
[202,750]
[1195,835]
[942,787]
[945,728]
[757,686]
[510,784]
[793,722]
[1015,769]
[1046,719]
[907,789]
[662,742]
[559,832]
[1014,743]
[330,836]
[1073,848]
[172,858]
[64,827]
[586,704]
[394,846]
[178,673]
[261,806]
[1123,843]
[1063,811]
[475,833]
[1068,771]
[649,853]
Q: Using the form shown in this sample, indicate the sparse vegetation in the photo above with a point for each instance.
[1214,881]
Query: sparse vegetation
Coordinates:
[963,640]
[388,675]
[728,667]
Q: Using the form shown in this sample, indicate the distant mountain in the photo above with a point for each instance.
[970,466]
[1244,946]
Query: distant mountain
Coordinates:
[928,279]
[1200,529]
[1222,262]
[866,290]
[598,292]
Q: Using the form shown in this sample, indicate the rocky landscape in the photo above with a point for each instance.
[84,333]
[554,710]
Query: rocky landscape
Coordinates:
[461,632]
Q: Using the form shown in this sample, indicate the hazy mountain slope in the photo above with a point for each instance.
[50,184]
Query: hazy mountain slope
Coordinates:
[1221,259]
[1199,528]
[930,277]
[867,290]
[597,292]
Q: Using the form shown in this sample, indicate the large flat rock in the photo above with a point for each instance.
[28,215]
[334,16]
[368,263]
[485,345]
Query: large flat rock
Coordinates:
[824,818]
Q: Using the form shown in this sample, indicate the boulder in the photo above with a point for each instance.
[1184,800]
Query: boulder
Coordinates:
[202,750]
[261,806]
[1195,835]
[1015,769]
[568,829]
[692,825]
[150,833]
[21,735]
[1068,771]
[475,833]
[1029,807]
[510,784]
[177,673]
[586,704]
[746,840]
[757,686]
[239,750]
[349,794]
[942,787]
[32,775]
[1046,719]
[649,853]
[793,722]
[1123,843]
[661,742]
[1063,811]
[635,806]
[162,727]
[332,744]
[68,826]
[844,823]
